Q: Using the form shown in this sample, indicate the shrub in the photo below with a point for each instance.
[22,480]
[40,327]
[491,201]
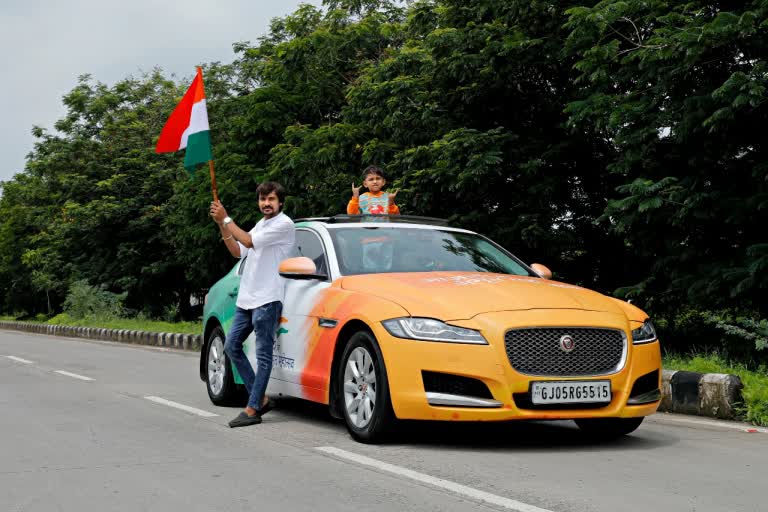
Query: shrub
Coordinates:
[61,319]
[86,301]
[735,335]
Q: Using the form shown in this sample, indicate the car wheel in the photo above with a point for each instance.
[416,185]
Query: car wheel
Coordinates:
[364,390]
[608,428]
[218,374]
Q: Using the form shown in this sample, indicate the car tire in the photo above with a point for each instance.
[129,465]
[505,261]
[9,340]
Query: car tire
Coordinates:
[222,389]
[363,396]
[608,428]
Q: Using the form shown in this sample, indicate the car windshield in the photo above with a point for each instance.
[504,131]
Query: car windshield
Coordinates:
[374,250]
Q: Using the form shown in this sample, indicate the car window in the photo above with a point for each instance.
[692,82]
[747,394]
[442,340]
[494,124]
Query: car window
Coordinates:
[376,250]
[308,244]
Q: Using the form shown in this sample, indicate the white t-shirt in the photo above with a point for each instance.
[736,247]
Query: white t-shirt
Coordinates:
[273,241]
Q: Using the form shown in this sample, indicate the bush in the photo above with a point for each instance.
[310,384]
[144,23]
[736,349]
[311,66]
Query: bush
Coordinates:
[86,301]
[60,319]
[734,335]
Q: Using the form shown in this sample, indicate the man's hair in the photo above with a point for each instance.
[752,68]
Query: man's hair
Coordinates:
[372,169]
[268,187]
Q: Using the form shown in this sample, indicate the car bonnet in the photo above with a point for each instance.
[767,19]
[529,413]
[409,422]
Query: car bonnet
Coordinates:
[463,295]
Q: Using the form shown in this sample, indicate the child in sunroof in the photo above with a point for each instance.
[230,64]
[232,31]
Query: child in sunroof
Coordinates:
[375,201]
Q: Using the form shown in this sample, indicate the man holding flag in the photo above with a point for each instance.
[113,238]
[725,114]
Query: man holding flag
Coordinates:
[260,297]
[273,239]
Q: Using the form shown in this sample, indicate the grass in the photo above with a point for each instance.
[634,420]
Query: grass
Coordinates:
[136,324]
[755,392]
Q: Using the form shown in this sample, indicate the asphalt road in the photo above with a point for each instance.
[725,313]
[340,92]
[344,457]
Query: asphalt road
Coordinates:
[121,442]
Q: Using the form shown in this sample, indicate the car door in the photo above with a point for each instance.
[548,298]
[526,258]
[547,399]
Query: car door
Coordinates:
[301,296]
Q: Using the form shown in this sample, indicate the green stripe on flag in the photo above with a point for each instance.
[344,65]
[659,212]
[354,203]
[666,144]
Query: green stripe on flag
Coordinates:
[198,150]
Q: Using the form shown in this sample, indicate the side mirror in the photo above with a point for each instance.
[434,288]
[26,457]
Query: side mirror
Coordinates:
[299,268]
[542,270]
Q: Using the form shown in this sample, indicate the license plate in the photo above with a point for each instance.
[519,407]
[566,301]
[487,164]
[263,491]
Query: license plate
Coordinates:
[571,392]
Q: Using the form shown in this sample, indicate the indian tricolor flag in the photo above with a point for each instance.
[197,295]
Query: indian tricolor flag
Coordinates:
[188,127]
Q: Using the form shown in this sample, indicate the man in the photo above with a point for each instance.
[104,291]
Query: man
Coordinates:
[260,298]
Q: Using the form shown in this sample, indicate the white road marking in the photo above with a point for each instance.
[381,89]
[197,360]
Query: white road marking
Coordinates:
[463,490]
[19,360]
[73,375]
[176,405]
[702,422]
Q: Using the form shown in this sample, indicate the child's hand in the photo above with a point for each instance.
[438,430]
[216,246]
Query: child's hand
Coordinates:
[392,195]
[356,190]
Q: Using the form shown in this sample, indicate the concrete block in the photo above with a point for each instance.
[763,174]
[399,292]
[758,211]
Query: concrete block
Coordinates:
[685,392]
[719,393]
[666,390]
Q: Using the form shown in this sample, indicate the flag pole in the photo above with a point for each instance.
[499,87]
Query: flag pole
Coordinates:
[213,181]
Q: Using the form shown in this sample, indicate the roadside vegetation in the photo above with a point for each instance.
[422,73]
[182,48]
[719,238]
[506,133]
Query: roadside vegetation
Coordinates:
[90,306]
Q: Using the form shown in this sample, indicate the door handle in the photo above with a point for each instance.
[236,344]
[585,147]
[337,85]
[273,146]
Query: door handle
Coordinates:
[233,293]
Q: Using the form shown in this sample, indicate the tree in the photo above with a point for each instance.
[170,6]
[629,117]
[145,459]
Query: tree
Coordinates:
[679,90]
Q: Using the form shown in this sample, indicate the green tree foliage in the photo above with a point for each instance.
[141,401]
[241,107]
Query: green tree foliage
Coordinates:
[92,201]
[679,88]
[463,104]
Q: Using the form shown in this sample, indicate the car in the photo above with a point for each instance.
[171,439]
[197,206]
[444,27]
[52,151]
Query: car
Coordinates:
[390,318]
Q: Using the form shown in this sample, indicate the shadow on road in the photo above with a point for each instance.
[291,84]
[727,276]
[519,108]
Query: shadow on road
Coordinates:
[512,435]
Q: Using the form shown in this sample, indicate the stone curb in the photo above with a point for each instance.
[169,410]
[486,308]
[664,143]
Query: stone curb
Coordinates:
[703,394]
[154,339]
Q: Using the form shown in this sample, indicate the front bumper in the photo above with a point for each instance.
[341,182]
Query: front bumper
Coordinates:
[634,388]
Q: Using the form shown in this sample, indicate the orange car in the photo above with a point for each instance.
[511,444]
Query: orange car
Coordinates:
[407,318]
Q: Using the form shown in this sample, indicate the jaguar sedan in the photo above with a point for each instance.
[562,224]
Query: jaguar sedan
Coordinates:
[400,318]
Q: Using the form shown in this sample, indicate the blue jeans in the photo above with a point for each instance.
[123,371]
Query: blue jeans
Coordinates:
[263,321]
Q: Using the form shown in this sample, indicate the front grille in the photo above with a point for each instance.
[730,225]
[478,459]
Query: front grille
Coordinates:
[538,351]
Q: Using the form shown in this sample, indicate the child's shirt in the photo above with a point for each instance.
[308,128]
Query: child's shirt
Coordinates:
[370,203]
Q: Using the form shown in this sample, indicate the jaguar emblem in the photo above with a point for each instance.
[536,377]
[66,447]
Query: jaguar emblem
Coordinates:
[567,344]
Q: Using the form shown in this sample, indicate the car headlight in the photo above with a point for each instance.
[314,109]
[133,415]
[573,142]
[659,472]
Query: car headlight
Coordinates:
[646,333]
[428,329]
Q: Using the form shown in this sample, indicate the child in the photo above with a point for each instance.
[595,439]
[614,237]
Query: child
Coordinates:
[375,201]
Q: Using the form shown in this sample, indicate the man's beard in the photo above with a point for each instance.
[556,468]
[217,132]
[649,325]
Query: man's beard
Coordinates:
[272,211]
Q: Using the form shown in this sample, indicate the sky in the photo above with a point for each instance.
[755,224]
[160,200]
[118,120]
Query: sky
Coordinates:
[47,44]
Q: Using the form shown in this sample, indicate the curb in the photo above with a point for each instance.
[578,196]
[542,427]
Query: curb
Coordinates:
[155,339]
[703,394]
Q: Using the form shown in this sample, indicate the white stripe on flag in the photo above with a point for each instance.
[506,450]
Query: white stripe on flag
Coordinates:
[198,122]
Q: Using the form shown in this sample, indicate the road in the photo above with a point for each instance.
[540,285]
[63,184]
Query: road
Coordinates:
[102,426]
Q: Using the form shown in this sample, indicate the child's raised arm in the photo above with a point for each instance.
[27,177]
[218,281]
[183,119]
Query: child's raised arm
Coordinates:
[392,207]
[353,207]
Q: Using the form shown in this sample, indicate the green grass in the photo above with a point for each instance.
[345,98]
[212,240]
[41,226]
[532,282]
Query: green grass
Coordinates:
[755,392]
[136,324]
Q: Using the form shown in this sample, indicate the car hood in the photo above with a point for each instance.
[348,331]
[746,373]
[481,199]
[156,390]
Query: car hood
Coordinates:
[463,295]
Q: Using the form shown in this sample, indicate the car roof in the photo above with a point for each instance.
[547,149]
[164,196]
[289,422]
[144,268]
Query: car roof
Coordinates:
[376,221]
[357,219]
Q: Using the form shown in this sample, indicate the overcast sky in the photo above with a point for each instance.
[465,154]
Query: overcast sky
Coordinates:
[46,44]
